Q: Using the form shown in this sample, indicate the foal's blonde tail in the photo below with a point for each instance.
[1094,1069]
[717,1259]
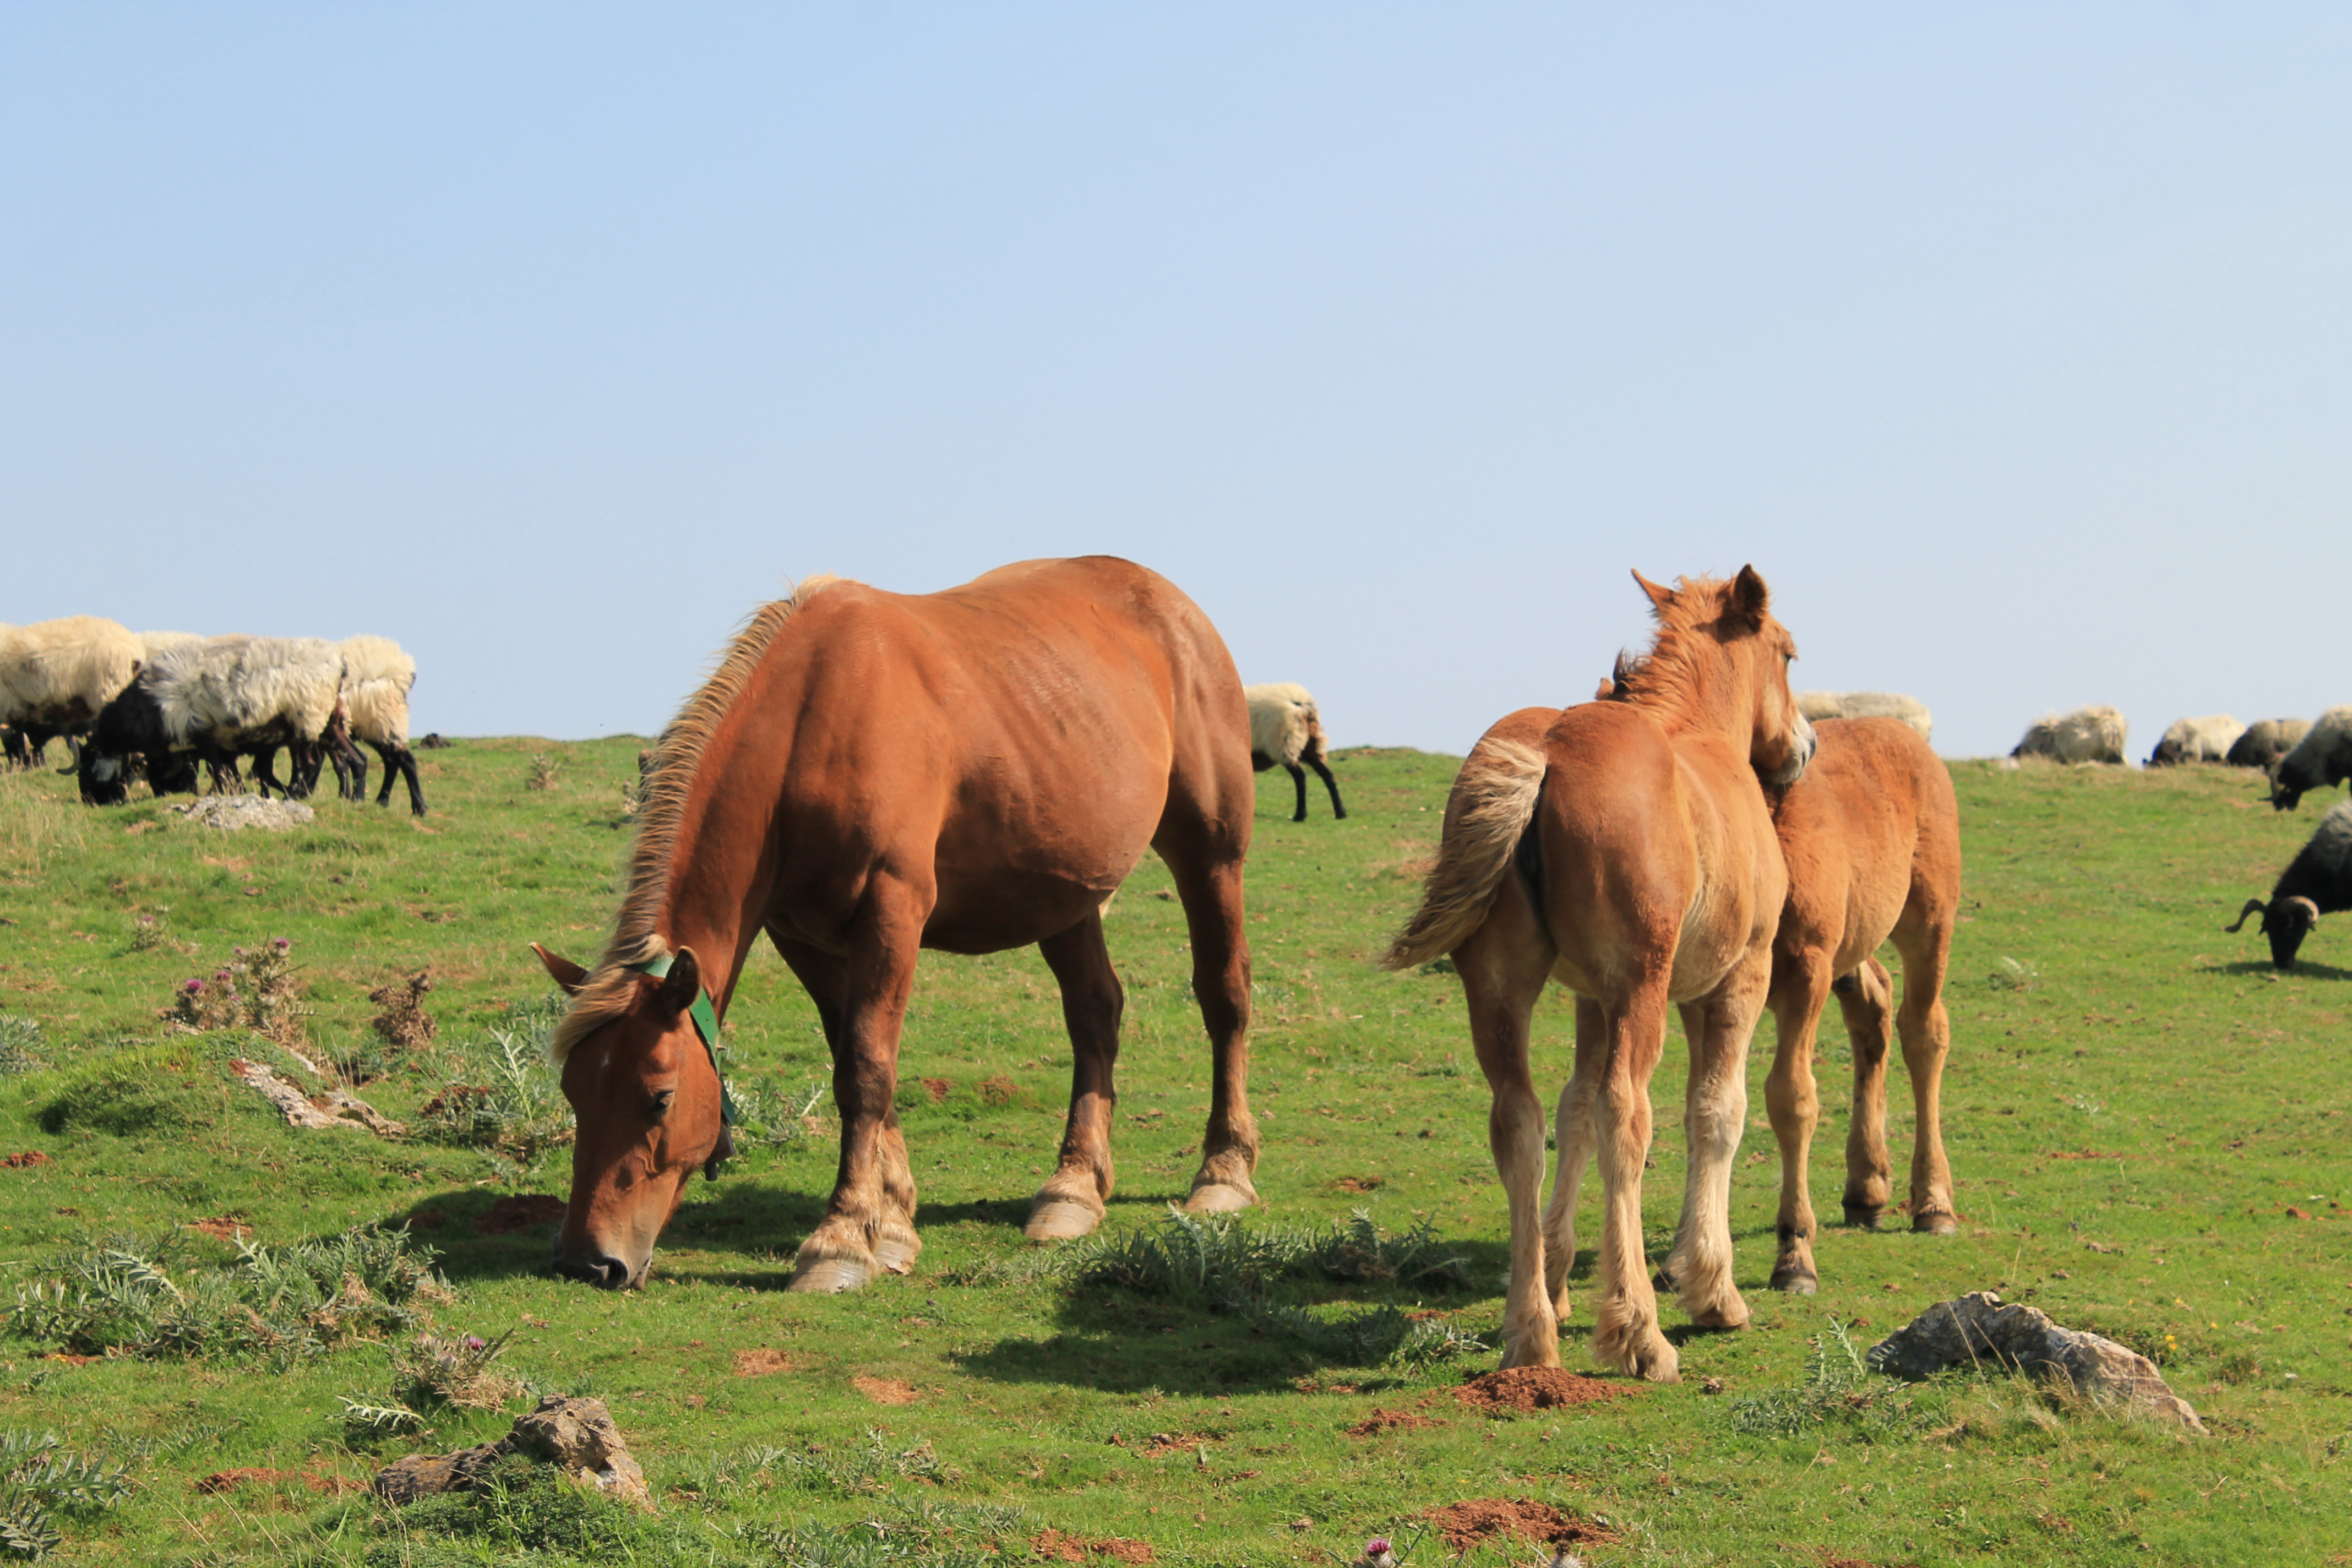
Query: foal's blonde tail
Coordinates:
[1492,801]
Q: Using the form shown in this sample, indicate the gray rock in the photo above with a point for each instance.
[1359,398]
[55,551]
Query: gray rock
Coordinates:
[576,1436]
[231,813]
[1976,1330]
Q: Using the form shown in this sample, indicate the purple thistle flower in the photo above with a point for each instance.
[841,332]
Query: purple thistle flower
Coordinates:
[194,987]
[475,1343]
[1376,1545]
[280,944]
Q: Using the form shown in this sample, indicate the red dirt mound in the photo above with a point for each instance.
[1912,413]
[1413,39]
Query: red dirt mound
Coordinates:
[938,1089]
[1054,1546]
[1358,1183]
[521,1212]
[1466,1525]
[885,1390]
[1524,1388]
[761,1361]
[222,1228]
[29,1157]
[1384,1421]
[229,1481]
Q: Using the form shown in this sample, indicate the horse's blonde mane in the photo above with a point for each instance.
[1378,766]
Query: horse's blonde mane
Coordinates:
[678,759]
[1670,675]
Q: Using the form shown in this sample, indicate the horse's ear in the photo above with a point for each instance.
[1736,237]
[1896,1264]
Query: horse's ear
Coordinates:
[568,977]
[1750,599]
[1606,691]
[1660,594]
[682,984]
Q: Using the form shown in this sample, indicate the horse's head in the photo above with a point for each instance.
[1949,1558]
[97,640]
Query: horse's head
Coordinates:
[648,1105]
[1757,650]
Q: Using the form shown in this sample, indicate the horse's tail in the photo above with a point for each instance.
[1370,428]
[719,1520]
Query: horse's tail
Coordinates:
[1493,800]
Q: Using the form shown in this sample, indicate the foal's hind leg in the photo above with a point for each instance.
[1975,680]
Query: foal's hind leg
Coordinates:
[1866,998]
[1572,1130]
[1926,1040]
[1071,1201]
[1799,992]
[1625,1324]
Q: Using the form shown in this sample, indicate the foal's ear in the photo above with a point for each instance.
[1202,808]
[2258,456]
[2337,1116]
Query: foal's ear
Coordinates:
[1750,599]
[682,984]
[568,977]
[1660,594]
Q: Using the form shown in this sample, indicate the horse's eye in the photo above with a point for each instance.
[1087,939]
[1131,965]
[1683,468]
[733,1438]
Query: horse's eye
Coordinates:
[662,1099]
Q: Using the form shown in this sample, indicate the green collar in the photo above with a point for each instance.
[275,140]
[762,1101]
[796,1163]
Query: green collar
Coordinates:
[705,1025]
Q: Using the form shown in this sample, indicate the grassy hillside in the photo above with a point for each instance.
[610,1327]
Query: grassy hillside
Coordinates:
[2146,1125]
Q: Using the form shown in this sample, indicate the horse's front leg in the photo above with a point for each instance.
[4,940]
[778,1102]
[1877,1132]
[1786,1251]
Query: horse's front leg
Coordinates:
[1071,1201]
[868,1227]
[1715,1114]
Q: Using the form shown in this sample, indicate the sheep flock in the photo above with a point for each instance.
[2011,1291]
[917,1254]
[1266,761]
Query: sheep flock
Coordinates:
[174,706]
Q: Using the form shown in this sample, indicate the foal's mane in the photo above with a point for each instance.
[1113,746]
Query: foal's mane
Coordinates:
[607,991]
[1671,675]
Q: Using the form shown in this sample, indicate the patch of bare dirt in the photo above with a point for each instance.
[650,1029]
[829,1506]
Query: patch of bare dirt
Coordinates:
[1466,1525]
[71,1359]
[998,1090]
[229,1481]
[520,1211]
[1380,1422]
[1173,1443]
[222,1228]
[427,1219]
[1311,1384]
[1056,1546]
[938,1089]
[886,1390]
[1358,1183]
[762,1362]
[1526,1388]
[29,1158]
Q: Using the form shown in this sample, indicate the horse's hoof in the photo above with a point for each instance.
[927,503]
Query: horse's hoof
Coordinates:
[1662,1280]
[1061,1219]
[897,1257]
[1936,1224]
[831,1277]
[1796,1279]
[1216,1198]
[1731,1315]
[1862,1218]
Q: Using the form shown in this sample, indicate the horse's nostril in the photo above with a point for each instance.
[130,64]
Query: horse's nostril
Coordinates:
[604,1273]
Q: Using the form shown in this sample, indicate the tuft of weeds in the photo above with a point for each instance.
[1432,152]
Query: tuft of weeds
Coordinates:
[1356,1248]
[544,774]
[457,1372]
[2014,974]
[521,1507]
[401,1021]
[872,1467]
[775,1117]
[40,1478]
[20,1044]
[1211,1261]
[1838,1388]
[257,991]
[124,1296]
[502,1095]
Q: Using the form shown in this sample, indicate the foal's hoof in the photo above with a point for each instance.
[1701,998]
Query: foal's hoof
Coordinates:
[1796,1278]
[1216,1198]
[895,1255]
[831,1277]
[1061,1219]
[1864,1218]
[1936,1224]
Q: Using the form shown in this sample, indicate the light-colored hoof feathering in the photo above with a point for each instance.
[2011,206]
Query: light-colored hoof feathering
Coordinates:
[831,1276]
[1936,1225]
[1638,1351]
[1061,1219]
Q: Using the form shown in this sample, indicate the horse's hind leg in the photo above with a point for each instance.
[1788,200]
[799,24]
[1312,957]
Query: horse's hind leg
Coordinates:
[1866,998]
[1071,1201]
[1502,965]
[1927,1039]
[868,1227]
[1799,992]
[1714,1116]
[1572,1130]
[1298,778]
[1209,883]
[1625,1323]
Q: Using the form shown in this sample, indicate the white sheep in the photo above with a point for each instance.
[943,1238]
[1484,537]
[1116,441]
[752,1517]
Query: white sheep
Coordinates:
[1819,705]
[1285,728]
[216,697]
[2205,740]
[2321,760]
[55,676]
[377,676]
[2094,734]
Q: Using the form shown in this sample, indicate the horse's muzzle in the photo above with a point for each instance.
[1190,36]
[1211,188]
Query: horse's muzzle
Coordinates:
[604,1273]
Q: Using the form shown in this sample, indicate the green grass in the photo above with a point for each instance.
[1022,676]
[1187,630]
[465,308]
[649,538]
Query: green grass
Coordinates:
[2134,1104]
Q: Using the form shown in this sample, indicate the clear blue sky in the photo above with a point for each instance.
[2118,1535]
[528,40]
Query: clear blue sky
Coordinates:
[2011,342]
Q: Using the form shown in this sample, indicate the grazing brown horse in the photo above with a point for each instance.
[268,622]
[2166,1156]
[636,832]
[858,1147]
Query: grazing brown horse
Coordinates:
[1625,849]
[870,774]
[1872,839]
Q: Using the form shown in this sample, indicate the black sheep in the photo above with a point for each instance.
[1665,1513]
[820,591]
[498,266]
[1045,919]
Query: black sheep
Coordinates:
[2317,882]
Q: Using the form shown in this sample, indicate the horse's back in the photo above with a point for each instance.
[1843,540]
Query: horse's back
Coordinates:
[1872,826]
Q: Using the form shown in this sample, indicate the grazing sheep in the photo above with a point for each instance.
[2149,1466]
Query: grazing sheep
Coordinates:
[54,676]
[2093,734]
[2317,882]
[216,697]
[2321,760]
[1286,728]
[2265,741]
[1819,705]
[2206,739]
[377,676]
